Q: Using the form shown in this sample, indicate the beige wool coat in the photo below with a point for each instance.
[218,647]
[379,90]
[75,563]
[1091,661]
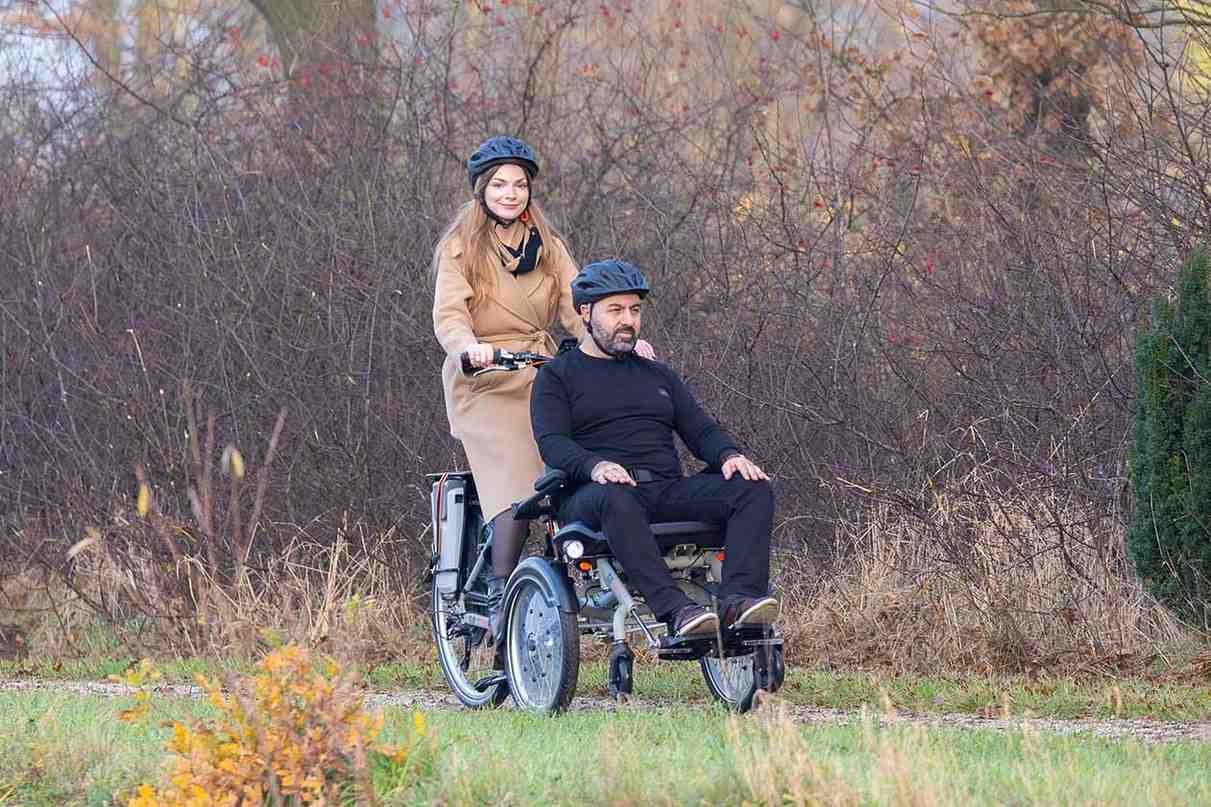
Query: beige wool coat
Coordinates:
[490,413]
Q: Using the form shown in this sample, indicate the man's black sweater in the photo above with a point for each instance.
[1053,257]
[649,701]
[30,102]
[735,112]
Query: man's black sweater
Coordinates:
[585,410]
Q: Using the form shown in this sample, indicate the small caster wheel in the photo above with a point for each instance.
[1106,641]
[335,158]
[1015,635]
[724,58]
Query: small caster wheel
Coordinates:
[621,669]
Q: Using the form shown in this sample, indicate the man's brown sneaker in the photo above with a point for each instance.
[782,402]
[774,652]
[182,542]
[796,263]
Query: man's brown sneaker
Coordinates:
[750,611]
[694,620]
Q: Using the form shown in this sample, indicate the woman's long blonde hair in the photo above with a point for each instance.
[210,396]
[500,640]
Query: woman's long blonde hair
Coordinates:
[481,258]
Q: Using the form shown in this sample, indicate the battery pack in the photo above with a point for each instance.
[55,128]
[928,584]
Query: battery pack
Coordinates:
[448,503]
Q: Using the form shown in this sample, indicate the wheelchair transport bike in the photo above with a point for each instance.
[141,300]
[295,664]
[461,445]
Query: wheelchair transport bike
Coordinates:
[575,588]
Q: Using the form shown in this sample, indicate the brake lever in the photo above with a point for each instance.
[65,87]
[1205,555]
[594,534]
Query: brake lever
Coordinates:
[491,368]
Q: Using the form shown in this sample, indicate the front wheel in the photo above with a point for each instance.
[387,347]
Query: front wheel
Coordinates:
[734,681]
[731,681]
[466,655]
[542,640]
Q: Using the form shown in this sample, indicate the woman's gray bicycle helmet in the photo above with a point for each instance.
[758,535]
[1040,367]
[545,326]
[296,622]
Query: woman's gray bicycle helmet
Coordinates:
[604,278]
[499,150]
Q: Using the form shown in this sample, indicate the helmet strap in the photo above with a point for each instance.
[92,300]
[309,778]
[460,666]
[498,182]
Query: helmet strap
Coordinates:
[483,202]
[524,216]
[488,211]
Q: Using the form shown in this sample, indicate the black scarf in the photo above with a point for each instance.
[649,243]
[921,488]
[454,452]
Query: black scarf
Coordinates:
[527,253]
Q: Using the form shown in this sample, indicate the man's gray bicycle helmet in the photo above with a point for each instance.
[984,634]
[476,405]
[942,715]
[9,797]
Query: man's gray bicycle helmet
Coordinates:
[499,150]
[604,278]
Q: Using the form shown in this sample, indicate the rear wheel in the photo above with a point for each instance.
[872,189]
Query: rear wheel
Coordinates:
[542,641]
[466,655]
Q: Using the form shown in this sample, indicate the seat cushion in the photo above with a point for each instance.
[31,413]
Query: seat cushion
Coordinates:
[668,535]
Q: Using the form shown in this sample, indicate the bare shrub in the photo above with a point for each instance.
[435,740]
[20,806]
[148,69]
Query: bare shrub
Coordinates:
[974,578]
[352,597]
[884,243]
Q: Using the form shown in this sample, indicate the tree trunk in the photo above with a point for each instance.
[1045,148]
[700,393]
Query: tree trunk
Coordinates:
[106,40]
[319,38]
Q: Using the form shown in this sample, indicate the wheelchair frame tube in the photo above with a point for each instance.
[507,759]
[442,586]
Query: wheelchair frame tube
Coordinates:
[484,551]
[626,604]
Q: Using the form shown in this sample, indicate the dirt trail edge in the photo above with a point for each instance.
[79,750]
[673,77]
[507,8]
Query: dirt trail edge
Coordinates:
[1146,731]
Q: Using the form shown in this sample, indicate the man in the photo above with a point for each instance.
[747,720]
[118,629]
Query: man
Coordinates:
[606,416]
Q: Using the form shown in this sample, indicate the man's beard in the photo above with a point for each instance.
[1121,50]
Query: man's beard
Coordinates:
[610,344]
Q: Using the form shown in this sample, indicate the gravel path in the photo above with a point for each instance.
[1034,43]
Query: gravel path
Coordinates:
[1147,731]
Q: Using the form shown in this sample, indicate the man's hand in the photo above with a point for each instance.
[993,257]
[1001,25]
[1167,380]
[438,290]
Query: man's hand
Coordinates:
[606,472]
[645,350]
[738,463]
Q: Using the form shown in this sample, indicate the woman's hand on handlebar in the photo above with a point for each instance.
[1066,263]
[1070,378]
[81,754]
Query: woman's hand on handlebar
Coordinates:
[497,359]
[479,355]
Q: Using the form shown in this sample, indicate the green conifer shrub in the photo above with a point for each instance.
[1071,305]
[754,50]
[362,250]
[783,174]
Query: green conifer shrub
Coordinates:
[1170,458]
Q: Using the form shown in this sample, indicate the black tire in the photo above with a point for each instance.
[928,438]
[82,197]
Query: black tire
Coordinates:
[732,682]
[542,639]
[775,670]
[466,656]
[621,675]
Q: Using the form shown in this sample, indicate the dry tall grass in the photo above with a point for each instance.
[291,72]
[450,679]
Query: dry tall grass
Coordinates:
[214,580]
[776,765]
[969,579]
[973,578]
[356,597]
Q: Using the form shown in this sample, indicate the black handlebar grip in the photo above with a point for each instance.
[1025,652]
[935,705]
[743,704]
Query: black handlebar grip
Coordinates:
[469,368]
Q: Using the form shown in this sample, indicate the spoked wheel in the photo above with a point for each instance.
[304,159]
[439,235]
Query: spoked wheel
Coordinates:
[735,680]
[732,680]
[542,650]
[466,656]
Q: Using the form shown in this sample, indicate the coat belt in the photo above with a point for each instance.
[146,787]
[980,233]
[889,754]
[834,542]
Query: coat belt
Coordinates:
[532,337]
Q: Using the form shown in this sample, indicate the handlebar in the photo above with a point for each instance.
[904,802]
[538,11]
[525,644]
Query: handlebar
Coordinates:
[503,361]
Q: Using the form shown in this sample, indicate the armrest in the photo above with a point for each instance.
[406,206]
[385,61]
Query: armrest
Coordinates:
[540,503]
[552,480]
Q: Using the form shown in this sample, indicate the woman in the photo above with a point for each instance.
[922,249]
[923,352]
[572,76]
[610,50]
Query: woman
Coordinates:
[502,280]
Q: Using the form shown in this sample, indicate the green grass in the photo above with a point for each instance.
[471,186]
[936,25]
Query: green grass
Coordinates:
[688,756]
[100,668]
[1042,697]
[1058,697]
[59,748]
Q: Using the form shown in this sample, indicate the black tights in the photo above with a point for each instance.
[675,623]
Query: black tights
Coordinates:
[508,535]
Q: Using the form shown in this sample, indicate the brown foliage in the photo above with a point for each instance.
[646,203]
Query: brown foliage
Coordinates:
[295,732]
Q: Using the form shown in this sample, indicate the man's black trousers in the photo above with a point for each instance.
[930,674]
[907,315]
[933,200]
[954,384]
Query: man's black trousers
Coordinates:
[625,515]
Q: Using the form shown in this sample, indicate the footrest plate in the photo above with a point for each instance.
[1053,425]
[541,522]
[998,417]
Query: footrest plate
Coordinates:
[486,682]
